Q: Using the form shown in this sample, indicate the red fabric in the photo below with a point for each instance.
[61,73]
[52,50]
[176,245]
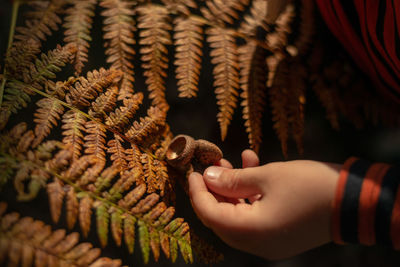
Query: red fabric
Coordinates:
[337,202]
[395,222]
[378,60]
[370,192]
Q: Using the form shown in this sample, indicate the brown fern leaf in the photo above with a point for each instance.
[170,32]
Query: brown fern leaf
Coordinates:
[118,31]
[219,10]
[180,6]
[278,40]
[105,103]
[47,115]
[120,118]
[17,92]
[188,44]
[279,99]
[87,89]
[41,21]
[73,128]
[307,27]
[133,206]
[72,206]
[26,242]
[19,57]
[77,24]
[297,87]
[95,140]
[256,19]
[117,151]
[146,126]
[252,82]
[226,74]
[154,36]
[56,194]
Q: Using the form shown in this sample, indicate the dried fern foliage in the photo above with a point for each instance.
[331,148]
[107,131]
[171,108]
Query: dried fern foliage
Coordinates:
[28,242]
[94,139]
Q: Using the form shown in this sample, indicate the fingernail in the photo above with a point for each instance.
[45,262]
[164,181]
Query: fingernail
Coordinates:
[213,172]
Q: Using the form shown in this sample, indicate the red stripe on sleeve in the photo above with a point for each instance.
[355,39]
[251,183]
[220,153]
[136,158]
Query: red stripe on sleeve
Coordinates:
[337,202]
[395,222]
[370,192]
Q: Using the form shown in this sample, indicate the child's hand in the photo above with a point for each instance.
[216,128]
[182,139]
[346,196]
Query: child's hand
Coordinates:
[289,210]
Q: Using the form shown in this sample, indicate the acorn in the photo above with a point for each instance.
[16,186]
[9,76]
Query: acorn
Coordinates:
[184,151]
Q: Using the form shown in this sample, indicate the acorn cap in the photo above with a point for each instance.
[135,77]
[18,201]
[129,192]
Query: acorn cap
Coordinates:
[207,153]
[180,151]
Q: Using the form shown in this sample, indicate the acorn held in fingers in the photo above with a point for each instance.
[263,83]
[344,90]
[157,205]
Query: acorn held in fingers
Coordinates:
[184,151]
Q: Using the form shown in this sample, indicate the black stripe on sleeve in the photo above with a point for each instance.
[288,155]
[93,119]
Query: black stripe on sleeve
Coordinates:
[350,202]
[385,205]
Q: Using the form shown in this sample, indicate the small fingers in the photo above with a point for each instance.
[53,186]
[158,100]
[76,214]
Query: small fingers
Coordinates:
[214,214]
[224,163]
[249,159]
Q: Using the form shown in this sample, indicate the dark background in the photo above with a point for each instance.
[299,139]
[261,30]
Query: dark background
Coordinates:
[197,117]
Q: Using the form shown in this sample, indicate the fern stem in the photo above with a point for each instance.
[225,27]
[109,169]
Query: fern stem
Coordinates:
[89,193]
[15,8]
[85,115]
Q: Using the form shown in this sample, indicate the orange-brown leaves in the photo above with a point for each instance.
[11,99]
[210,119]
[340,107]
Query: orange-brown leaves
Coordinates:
[256,19]
[56,194]
[154,36]
[77,24]
[25,242]
[252,83]
[146,126]
[95,140]
[224,11]
[43,19]
[118,31]
[226,74]
[117,151]
[188,44]
[120,118]
[87,89]
[73,127]
[47,115]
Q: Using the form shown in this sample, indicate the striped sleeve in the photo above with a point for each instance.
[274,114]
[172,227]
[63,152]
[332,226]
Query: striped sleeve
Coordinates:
[366,208]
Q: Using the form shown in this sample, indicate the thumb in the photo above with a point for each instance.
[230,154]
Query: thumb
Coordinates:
[234,183]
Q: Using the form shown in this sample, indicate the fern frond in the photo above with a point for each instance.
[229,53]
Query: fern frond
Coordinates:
[117,151]
[279,99]
[256,20]
[132,205]
[41,21]
[252,82]
[307,27]
[180,6]
[154,36]
[146,126]
[17,92]
[188,44]
[77,24]
[105,103]
[47,115]
[278,40]
[73,128]
[87,89]
[24,241]
[297,83]
[19,58]
[223,11]
[226,74]
[95,140]
[121,116]
[72,207]
[118,31]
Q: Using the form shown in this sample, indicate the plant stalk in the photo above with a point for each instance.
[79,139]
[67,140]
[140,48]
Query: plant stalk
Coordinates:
[14,15]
